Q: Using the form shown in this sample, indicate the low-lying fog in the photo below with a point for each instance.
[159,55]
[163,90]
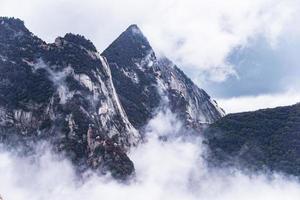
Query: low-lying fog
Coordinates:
[172,170]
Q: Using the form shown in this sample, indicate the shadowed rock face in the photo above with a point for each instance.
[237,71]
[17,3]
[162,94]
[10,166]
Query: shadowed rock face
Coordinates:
[55,91]
[141,79]
[73,97]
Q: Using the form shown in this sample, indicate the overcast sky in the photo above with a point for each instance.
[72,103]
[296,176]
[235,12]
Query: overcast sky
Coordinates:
[244,53]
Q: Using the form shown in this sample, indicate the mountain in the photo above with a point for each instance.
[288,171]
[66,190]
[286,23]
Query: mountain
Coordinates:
[88,106]
[62,92]
[142,79]
[266,139]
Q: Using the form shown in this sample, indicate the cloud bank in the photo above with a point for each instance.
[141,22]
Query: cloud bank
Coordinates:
[252,103]
[198,35]
[170,170]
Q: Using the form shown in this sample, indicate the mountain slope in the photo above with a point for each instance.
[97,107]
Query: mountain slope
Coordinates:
[62,92]
[141,79]
[69,95]
[268,138]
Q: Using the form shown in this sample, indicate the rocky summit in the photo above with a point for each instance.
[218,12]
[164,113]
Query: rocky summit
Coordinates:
[141,79]
[89,106]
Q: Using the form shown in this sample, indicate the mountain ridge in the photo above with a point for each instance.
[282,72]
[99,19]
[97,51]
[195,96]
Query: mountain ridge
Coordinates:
[266,139]
[163,77]
[71,96]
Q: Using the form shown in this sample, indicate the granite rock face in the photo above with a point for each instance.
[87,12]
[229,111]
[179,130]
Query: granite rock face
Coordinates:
[55,92]
[142,79]
[90,107]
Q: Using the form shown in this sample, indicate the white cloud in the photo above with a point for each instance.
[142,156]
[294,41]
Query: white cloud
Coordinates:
[198,35]
[201,34]
[252,103]
[172,170]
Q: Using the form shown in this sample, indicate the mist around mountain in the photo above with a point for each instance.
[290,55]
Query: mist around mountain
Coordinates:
[127,123]
[172,169]
[89,106]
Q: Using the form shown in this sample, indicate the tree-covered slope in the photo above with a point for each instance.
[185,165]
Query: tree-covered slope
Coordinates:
[264,139]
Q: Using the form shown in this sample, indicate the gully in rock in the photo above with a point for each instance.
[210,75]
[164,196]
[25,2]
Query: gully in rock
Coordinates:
[92,107]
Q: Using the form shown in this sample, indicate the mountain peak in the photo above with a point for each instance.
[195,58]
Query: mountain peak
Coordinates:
[13,24]
[77,40]
[131,43]
[134,29]
[12,21]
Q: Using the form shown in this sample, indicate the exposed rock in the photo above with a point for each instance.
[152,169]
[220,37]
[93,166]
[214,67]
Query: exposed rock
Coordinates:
[54,91]
[141,79]
[65,93]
